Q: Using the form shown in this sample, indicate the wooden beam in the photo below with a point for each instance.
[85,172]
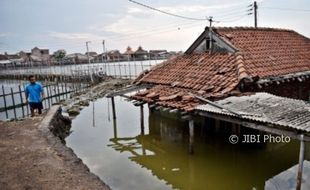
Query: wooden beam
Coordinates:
[158,107]
[166,109]
[128,90]
[138,103]
[174,111]
[152,106]
[186,117]
[215,104]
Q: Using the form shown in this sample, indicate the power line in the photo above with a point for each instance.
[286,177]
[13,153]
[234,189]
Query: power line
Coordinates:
[230,14]
[120,37]
[227,15]
[167,13]
[236,19]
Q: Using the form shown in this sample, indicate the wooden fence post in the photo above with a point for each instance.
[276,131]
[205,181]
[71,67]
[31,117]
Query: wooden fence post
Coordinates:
[48,95]
[21,100]
[13,101]
[4,100]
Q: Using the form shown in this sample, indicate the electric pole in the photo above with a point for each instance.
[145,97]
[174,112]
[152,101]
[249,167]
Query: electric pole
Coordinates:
[255,14]
[87,51]
[91,75]
[103,46]
[104,54]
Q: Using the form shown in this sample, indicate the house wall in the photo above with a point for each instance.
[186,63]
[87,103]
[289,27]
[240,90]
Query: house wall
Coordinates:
[36,52]
[293,89]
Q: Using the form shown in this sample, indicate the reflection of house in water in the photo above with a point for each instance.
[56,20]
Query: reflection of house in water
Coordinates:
[216,165]
[286,180]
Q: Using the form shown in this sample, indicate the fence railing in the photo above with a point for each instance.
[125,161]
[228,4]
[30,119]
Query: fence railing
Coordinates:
[124,70]
[14,103]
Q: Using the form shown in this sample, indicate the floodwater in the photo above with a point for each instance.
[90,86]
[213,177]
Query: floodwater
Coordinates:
[156,157]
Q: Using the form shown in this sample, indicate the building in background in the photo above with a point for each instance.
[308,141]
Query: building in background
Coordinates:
[40,55]
[140,54]
[129,54]
[77,58]
[159,54]
[114,55]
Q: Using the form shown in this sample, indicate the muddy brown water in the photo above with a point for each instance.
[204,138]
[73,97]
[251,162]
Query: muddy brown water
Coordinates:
[125,158]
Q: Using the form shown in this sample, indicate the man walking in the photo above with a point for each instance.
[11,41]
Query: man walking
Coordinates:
[34,95]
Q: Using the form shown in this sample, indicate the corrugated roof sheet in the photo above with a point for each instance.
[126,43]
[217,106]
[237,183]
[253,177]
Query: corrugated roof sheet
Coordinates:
[265,108]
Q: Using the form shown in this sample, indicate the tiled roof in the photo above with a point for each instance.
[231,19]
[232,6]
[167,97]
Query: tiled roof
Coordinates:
[269,52]
[210,75]
[261,53]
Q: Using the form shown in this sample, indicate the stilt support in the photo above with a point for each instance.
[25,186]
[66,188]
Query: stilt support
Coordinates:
[301,161]
[191,136]
[142,119]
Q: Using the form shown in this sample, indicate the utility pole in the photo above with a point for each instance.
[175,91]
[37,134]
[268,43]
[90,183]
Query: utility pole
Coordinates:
[91,75]
[103,46]
[104,54]
[255,14]
[210,34]
[88,51]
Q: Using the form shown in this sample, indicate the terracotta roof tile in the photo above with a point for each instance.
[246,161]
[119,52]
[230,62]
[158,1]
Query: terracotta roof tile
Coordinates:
[262,52]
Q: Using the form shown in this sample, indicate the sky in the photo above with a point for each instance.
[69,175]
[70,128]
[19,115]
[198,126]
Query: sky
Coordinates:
[68,24]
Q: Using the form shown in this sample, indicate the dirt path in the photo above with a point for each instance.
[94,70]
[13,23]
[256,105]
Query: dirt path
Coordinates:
[30,161]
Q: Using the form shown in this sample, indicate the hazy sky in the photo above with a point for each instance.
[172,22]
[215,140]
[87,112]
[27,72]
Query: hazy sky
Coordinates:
[68,24]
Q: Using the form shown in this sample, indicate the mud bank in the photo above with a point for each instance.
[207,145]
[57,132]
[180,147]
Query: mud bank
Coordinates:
[33,153]
[32,157]
[78,101]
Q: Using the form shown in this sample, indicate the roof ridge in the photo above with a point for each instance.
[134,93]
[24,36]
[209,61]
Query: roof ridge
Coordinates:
[253,28]
[241,71]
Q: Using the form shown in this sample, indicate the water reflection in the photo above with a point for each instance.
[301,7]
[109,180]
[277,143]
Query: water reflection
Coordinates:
[126,159]
[286,180]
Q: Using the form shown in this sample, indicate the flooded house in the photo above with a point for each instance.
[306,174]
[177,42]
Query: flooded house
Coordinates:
[237,79]
[234,61]
[238,62]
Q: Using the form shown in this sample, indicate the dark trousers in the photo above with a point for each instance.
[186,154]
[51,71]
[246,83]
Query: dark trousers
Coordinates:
[35,105]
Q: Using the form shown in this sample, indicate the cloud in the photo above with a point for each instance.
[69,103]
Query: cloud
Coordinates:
[135,10]
[75,36]
[125,25]
[4,34]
